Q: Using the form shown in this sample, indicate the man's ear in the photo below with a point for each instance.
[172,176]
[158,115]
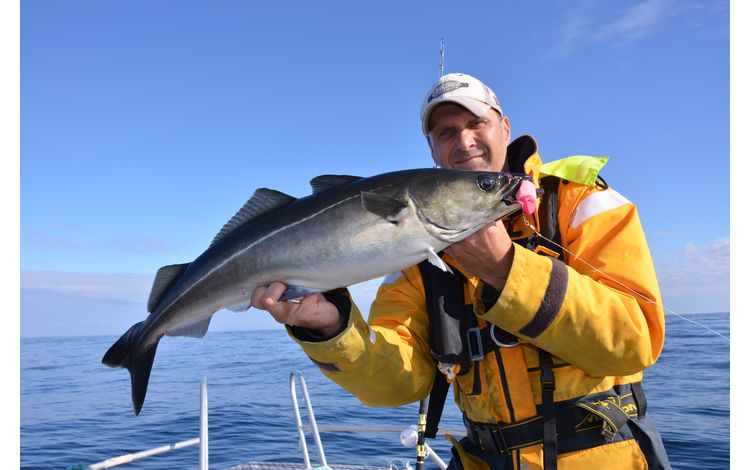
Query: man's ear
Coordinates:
[506,127]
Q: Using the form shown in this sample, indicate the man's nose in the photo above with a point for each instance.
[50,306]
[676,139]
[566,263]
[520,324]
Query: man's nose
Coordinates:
[466,139]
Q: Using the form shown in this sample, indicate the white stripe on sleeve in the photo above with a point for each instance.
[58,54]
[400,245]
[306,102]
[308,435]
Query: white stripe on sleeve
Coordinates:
[596,204]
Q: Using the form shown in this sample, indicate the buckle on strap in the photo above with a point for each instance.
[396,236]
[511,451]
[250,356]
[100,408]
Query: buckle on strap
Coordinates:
[546,374]
[474,341]
[504,438]
[489,438]
[547,378]
[499,440]
[611,413]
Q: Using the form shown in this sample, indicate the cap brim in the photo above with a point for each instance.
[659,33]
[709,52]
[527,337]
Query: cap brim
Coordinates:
[475,107]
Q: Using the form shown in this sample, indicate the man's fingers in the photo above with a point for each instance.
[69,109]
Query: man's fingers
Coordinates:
[273,293]
[311,311]
[306,312]
[268,296]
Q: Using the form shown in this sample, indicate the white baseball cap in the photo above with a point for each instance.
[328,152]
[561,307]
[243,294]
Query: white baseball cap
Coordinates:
[462,89]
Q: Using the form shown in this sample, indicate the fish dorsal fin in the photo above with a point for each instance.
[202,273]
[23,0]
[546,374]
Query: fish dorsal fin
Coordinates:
[192,330]
[325,182]
[264,200]
[384,206]
[164,279]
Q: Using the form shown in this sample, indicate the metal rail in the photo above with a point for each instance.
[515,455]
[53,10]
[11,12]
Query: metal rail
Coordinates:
[310,415]
[407,439]
[202,441]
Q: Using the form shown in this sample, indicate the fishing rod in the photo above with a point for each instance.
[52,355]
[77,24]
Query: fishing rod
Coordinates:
[421,426]
[442,57]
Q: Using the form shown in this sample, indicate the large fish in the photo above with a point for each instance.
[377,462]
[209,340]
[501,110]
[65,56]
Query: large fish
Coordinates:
[349,230]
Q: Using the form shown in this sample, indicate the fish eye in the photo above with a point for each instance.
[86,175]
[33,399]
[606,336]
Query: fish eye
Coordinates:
[486,182]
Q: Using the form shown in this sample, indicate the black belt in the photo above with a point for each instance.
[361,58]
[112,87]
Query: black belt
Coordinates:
[606,412]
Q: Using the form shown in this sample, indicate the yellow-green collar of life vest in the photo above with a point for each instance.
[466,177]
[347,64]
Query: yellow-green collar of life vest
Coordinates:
[582,169]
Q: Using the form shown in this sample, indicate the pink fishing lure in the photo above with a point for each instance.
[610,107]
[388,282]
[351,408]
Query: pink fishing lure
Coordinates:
[526,195]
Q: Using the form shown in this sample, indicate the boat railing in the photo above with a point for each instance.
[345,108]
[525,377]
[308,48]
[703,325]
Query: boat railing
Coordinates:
[408,435]
[201,441]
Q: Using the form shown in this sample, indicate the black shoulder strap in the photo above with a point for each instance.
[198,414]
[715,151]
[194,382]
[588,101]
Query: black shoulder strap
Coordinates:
[444,298]
[548,224]
[547,378]
[436,404]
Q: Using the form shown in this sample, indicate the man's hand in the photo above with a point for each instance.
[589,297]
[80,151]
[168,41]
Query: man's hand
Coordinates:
[487,254]
[314,312]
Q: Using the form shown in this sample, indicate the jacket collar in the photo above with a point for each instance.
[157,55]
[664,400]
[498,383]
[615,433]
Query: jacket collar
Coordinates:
[523,157]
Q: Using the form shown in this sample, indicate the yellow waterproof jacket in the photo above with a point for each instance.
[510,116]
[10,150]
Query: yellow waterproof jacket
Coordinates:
[602,334]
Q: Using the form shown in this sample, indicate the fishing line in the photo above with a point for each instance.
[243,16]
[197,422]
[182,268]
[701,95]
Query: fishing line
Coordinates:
[531,226]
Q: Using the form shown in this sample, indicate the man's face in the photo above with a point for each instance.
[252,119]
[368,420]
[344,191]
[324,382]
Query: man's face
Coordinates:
[461,140]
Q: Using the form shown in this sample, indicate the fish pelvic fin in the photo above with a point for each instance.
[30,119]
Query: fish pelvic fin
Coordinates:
[294,292]
[436,260]
[138,361]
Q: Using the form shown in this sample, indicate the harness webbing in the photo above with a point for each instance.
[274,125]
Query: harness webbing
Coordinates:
[436,404]
[547,377]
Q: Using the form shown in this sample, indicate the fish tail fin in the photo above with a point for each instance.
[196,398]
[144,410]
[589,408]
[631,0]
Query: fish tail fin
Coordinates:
[138,361]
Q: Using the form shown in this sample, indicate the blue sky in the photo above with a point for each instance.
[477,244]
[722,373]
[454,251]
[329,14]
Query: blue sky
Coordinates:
[146,125]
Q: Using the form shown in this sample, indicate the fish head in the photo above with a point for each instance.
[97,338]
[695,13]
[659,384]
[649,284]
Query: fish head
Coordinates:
[454,204]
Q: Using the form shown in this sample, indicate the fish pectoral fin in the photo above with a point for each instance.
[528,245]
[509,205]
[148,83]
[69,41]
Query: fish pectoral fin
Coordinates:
[295,293]
[192,330]
[163,280]
[433,258]
[384,206]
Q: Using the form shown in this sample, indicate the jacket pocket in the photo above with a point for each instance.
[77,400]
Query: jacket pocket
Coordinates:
[624,455]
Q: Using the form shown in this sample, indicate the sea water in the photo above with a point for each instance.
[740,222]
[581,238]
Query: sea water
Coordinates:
[76,411]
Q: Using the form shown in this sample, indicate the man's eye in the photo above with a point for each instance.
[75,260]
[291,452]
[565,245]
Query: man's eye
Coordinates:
[445,132]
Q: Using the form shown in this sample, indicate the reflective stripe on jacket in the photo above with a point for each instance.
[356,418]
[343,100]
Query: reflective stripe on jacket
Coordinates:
[599,333]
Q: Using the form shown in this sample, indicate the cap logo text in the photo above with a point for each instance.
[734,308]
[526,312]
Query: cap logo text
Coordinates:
[446,87]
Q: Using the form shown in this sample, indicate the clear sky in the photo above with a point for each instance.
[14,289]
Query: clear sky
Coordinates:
[146,125]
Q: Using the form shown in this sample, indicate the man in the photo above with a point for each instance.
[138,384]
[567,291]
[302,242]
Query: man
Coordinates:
[553,341]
